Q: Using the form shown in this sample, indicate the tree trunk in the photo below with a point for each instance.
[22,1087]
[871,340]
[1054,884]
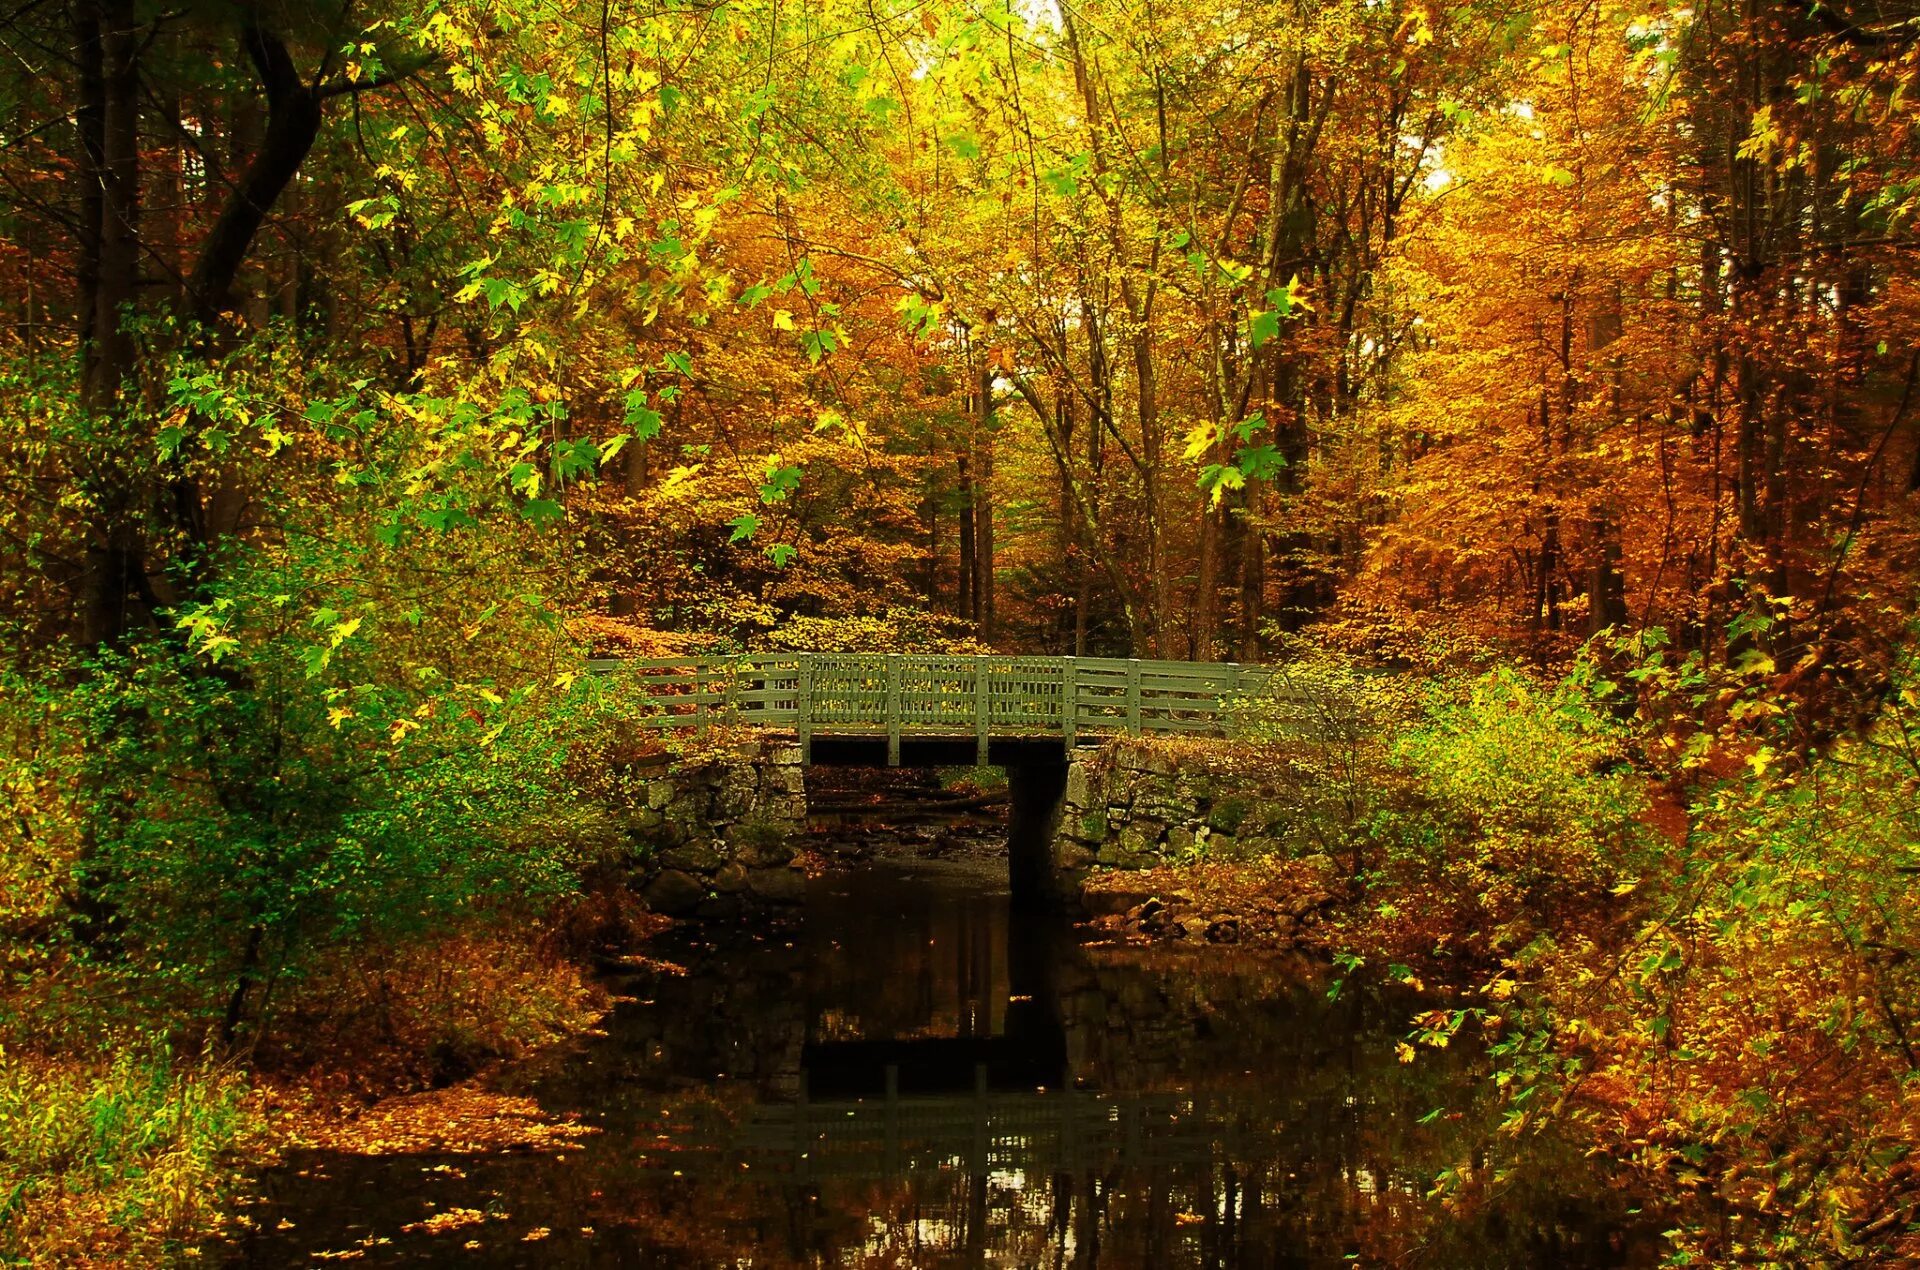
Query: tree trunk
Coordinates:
[983,508]
[1206,591]
[109,49]
[1147,406]
[293,123]
[1253,572]
[969,570]
[1606,588]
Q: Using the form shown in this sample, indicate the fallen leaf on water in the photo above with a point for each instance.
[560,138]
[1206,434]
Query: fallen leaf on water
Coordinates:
[462,1118]
[451,1219]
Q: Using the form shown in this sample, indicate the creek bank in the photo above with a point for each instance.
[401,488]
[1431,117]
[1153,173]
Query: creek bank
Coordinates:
[1278,905]
[1195,841]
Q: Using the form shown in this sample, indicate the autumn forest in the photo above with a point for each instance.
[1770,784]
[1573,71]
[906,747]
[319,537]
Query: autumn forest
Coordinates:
[1526,389]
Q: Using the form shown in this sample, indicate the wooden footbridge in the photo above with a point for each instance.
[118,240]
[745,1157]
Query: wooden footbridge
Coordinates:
[899,696]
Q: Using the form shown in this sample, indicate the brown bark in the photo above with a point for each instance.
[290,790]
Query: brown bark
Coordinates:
[969,568]
[293,123]
[983,507]
[1606,588]
[109,48]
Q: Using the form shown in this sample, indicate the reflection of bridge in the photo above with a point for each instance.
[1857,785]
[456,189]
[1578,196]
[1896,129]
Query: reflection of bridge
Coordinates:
[874,697]
[1058,1131]
[941,1046]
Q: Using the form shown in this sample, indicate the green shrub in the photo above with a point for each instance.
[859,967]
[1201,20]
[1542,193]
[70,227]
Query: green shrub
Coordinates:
[263,785]
[116,1162]
[1524,801]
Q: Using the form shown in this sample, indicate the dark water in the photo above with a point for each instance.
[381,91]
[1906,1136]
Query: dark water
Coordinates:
[914,1075]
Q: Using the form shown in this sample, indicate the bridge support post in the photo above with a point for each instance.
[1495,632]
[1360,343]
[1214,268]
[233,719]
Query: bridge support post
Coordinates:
[893,709]
[803,723]
[1069,705]
[1133,696]
[981,717]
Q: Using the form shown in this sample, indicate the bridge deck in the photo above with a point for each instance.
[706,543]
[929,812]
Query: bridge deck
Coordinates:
[898,696]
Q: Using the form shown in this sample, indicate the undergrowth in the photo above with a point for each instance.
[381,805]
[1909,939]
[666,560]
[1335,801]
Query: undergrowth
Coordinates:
[114,1162]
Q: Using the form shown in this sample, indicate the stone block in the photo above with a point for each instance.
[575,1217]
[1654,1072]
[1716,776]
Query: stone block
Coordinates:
[1157,762]
[777,885]
[694,857]
[721,908]
[1079,792]
[674,893]
[1229,813]
[1223,929]
[759,847]
[1092,827]
[1069,854]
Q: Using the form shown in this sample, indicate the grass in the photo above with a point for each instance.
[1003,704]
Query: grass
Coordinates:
[115,1163]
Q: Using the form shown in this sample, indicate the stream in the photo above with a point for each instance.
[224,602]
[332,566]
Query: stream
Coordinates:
[913,1072]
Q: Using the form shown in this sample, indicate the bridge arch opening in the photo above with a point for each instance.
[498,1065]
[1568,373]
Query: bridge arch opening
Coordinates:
[1036,774]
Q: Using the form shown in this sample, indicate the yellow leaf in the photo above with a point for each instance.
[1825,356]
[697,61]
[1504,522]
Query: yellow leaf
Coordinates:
[1200,439]
[782,320]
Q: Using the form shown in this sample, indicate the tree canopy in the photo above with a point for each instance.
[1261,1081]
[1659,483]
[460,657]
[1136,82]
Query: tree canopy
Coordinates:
[367,366]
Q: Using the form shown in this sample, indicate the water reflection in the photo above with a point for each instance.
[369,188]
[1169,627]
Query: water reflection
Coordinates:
[915,1076]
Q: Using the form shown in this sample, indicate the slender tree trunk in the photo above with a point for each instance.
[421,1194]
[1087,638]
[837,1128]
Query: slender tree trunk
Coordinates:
[1253,572]
[1206,591]
[983,507]
[969,570]
[109,48]
[1147,406]
[1606,588]
[1066,533]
